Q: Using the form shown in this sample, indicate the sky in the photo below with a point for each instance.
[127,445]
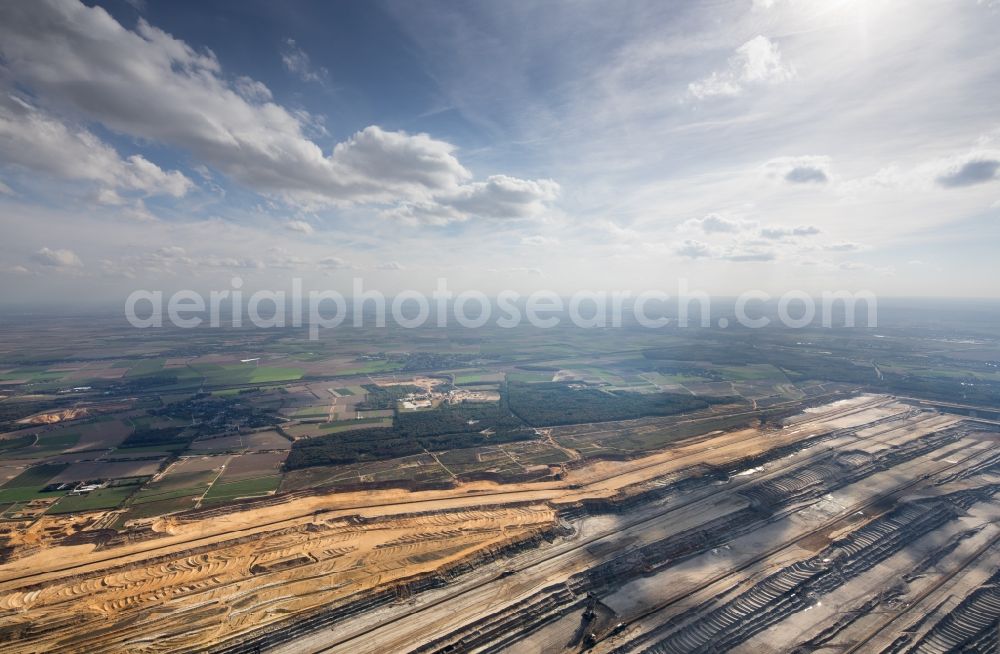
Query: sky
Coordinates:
[754,144]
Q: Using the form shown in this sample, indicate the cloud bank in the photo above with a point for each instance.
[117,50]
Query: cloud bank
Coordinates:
[146,84]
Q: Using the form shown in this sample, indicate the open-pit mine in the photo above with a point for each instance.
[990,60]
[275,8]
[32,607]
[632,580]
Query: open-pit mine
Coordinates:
[868,524]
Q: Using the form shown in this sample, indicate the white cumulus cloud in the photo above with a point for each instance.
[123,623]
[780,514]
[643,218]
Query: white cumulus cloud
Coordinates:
[808,169]
[300,226]
[57,258]
[714,223]
[34,140]
[499,197]
[758,61]
[333,263]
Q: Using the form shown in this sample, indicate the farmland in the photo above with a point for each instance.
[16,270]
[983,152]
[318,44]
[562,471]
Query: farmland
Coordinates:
[338,405]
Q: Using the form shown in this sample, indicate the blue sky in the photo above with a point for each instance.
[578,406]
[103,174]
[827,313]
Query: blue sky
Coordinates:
[773,144]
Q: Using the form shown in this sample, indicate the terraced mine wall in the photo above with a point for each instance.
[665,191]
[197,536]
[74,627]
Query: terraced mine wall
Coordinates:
[246,504]
[795,587]
[301,625]
[495,630]
[768,498]
[165,558]
[973,626]
[702,475]
[559,599]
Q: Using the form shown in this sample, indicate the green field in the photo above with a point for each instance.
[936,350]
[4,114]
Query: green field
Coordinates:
[54,442]
[102,498]
[754,372]
[244,373]
[29,484]
[475,377]
[666,378]
[16,443]
[345,425]
[313,429]
[148,495]
[366,367]
[243,488]
[530,376]
[32,375]
[316,411]
[146,367]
